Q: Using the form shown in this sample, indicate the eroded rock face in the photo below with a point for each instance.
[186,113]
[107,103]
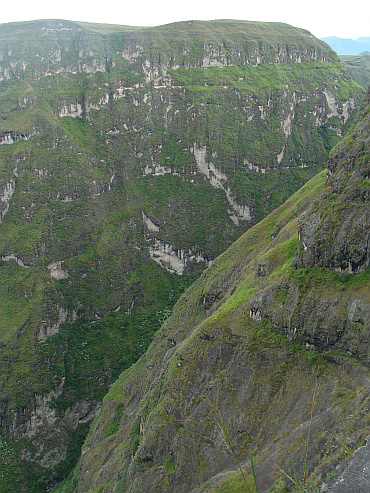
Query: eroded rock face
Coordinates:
[45,432]
[57,54]
[190,413]
[323,320]
[201,377]
[335,233]
[174,261]
[120,176]
[223,370]
[356,477]
[56,271]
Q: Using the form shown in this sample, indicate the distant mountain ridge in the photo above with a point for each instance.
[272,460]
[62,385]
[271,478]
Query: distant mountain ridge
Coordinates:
[344,46]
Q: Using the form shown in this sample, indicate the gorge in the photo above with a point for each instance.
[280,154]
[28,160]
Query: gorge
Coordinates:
[130,159]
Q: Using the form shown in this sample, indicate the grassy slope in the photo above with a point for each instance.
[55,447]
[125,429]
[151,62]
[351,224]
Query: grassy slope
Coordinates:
[358,67]
[178,385]
[215,30]
[232,371]
[75,159]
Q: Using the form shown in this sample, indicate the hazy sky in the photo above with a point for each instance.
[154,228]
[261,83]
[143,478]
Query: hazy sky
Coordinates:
[321,17]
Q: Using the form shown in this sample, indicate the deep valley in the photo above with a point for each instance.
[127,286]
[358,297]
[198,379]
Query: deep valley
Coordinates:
[179,269]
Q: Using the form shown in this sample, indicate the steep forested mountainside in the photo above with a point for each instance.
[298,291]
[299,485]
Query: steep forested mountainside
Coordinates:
[358,67]
[259,353]
[129,159]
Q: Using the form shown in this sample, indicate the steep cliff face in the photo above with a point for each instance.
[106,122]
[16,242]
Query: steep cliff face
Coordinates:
[59,46]
[255,353]
[129,159]
[336,232]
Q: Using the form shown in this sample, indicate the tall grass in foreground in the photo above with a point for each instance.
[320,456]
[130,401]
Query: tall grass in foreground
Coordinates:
[228,441]
[301,486]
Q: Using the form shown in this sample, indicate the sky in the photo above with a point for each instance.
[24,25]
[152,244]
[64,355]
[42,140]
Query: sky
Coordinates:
[322,18]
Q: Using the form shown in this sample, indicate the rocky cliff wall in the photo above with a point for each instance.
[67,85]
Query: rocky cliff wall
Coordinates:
[129,160]
[68,47]
[258,354]
[336,233]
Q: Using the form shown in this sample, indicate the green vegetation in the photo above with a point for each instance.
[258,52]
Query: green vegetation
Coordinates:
[358,67]
[9,467]
[99,170]
[256,357]
[235,484]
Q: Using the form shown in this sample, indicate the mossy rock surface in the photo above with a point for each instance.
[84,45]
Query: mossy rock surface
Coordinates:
[131,158]
[273,362]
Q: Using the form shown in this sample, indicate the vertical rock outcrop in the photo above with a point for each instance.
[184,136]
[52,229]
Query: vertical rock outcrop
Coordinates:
[335,232]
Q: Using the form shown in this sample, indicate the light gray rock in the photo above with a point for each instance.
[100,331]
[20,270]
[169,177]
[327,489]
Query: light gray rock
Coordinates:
[356,477]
